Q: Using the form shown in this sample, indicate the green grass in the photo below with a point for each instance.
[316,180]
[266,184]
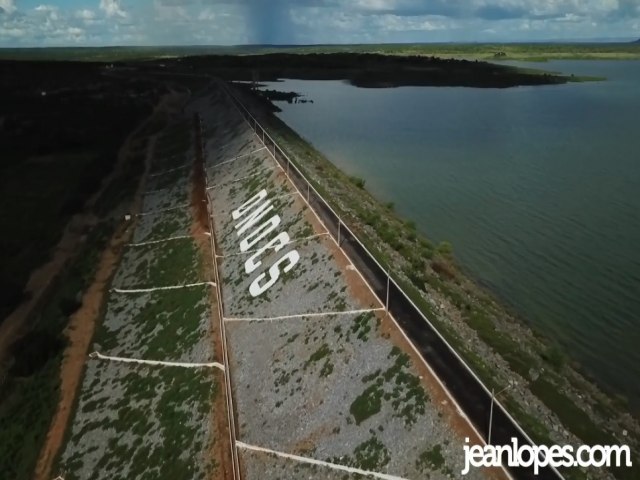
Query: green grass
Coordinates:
[181,399]
[431,459]
[29,400]
[357,181]
[571,416]
[174,263]
[166,327]
[370,455]
[322,352]
[362,325]
[519,361]
[395,385]
[367,404]
[172,223]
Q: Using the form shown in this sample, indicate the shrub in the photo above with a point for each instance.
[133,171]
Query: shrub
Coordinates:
[444,248]
[357,181]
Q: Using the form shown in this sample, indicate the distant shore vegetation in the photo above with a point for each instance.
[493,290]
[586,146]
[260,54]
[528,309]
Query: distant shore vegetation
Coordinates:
[532,52]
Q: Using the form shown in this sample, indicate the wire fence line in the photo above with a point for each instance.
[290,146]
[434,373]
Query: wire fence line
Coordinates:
[201,158]
[342,232]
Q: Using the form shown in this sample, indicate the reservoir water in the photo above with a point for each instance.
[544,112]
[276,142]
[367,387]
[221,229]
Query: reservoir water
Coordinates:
[537,189]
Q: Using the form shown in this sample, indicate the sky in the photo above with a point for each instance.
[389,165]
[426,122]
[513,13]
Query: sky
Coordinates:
[34,23]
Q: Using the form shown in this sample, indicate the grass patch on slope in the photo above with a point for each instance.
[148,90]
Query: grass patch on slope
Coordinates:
[29,396]
[165,325]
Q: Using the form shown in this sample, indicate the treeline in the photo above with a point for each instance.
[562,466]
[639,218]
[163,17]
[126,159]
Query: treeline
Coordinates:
[61,127]
[363,69]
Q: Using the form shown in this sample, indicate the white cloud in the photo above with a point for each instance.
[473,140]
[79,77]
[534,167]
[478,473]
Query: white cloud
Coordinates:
[112,8]
[86,15]
[394,23]
[207,15]
[313,21]
[12,32]
[375,5]
[8,6]
[49,11]
[75,34]
[170,13]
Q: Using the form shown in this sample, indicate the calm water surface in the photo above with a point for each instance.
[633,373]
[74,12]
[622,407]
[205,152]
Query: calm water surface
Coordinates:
[537,188]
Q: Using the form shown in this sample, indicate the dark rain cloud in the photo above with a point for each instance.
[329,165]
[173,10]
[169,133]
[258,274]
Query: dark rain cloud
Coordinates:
[293,21]
[268,21]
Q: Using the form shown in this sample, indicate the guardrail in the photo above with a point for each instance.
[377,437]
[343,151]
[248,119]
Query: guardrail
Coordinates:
[235,462]
[467,388]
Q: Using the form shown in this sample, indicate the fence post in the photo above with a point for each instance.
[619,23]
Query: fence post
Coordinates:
[388,284]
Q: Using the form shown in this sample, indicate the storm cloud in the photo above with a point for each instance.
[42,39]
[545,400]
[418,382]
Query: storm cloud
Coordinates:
[227,22]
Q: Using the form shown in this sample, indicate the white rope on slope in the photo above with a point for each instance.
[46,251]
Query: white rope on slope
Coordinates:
[154,212]
[155,289]
[157,362]
[313,461]
[301,315]
[154,242]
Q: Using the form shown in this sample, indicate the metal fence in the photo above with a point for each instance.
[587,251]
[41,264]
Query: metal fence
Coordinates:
[469,391]
[201,158]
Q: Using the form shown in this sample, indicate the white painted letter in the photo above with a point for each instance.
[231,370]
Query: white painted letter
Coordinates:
[259,233]
[249,204]
[254,217]
[256,289]
[276,244]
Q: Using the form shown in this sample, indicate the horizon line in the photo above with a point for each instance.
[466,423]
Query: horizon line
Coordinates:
[611,40]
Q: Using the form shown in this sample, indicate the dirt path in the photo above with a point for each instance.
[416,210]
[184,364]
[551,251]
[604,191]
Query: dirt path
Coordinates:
[82,323]
[79,333]
[40,281]
[219,449]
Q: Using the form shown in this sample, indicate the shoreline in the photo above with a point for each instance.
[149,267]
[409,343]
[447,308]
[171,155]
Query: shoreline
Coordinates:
[488,51]
[473,318]
[559,342]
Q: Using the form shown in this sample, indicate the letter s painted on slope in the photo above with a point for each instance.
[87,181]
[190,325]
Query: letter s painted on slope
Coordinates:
[276,244]
[255,289]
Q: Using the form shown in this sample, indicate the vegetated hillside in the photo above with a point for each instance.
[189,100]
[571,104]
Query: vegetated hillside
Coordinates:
[60,130]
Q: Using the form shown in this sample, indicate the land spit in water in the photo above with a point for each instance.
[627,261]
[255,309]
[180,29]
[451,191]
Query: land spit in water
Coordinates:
[373,70]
